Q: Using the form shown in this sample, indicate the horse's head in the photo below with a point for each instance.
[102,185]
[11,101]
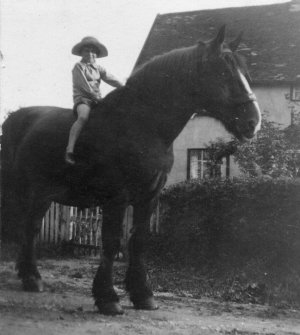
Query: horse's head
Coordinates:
[224,86]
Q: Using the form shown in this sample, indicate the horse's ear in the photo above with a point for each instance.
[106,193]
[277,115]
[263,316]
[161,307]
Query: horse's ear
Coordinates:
[214,46]
[216,43]
[233,45]
[221,34]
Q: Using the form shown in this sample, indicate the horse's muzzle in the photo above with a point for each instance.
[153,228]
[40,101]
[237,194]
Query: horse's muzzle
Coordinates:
[249,120]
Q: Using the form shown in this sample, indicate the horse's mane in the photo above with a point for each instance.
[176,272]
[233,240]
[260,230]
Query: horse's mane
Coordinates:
[173,66]
[169,61]
[179,65]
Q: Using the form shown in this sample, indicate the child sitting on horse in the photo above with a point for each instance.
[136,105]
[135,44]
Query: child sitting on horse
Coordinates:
[87,76]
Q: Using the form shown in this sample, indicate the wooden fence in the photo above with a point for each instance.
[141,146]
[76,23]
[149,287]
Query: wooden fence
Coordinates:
[75,228]
[70,226]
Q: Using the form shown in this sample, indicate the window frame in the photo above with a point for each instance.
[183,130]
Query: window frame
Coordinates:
[190,150]
[295,91]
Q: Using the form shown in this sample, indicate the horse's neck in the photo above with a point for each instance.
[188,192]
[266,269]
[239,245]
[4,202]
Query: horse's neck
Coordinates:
[163,89]
[165,119]
[158,95]
[172,123]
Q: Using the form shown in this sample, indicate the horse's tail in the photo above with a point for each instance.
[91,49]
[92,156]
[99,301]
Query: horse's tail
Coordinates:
[8,187]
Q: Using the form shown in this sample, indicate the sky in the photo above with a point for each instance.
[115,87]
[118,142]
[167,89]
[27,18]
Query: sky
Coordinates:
[36,38]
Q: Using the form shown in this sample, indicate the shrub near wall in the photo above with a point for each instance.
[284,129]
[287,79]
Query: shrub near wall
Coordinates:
[232,222]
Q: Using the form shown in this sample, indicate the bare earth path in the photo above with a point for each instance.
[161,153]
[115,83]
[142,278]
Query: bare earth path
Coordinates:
[66,307]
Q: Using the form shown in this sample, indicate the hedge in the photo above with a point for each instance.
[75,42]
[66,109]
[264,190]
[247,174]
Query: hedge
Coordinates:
[209,221]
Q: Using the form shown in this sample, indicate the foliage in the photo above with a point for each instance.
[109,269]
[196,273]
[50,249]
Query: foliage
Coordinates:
[217,220]
[273,152]
[252,225]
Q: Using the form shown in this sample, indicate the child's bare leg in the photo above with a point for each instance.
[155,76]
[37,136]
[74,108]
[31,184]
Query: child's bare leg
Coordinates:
[83,112]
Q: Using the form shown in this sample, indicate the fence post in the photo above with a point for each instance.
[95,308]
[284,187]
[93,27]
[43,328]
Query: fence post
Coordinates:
[157,221]
[56,222]
[127,225]
[0,224]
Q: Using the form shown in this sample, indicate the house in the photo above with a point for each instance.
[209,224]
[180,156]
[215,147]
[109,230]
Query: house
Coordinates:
[271,45]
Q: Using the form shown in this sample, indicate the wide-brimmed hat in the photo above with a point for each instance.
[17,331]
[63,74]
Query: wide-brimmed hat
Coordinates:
[89,40]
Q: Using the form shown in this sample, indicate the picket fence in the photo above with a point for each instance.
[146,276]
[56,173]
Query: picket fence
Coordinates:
[72,227]
[81,229]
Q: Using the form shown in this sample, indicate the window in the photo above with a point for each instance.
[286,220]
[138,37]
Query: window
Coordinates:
[295,92]
[201,167]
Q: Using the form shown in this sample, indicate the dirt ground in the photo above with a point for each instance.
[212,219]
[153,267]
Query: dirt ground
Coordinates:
[66,307]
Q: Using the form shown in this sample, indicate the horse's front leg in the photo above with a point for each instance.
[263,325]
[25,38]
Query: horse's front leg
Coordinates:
[136,278]
[104,294]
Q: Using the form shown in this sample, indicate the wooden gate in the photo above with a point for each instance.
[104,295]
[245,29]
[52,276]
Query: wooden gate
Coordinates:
[72,227]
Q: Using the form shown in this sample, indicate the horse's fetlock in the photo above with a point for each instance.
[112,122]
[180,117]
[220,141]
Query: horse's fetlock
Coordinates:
[32,284]
[135,277]
[139,297]
[103,296]
[27,270]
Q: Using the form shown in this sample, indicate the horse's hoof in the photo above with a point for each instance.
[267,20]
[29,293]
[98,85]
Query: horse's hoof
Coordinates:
[148,304]
[110,308]
[32,284]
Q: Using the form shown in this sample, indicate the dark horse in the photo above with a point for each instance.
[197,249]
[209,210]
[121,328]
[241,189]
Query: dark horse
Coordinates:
[123,155]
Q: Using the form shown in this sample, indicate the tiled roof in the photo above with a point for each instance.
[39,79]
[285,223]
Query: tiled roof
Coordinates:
[271,40]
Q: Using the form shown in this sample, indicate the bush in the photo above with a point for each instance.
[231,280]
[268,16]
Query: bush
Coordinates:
[231,222]
[273,152]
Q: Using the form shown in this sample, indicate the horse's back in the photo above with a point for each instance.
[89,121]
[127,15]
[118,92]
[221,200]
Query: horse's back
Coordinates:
[21,122]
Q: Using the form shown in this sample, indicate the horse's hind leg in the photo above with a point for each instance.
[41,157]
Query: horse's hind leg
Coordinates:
[104,294]
[26,264]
